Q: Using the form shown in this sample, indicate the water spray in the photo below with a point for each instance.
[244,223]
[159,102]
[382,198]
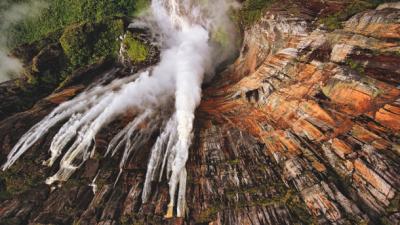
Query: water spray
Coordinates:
[188,54]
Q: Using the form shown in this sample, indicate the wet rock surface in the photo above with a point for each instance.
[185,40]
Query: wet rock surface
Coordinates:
[302,129]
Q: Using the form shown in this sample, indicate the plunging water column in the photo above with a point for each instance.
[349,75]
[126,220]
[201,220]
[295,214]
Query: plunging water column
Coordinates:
[187,54]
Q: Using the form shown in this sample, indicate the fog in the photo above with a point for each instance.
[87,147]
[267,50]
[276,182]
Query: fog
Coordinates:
[11,14]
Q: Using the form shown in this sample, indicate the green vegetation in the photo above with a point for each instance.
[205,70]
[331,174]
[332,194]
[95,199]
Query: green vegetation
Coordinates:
[141,6]
[252,10]
[17,179]
[209,214]
[87,30]
[356,66]
[78,45]
[282,196]
[140,219]
[137,51]
[334,21]
[394,204]
[221,37]
[331,22]
[61,13]
[88,42]
[233,161]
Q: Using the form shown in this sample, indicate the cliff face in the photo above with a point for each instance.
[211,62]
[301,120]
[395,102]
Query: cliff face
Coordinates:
[303,128]
[325,106]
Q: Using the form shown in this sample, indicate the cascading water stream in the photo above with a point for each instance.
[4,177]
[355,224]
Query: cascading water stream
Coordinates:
[188,54]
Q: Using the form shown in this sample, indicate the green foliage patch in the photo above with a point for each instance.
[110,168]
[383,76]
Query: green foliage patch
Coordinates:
[141,6]
[86,43]
[137,51]
[334,21]
[252,10]
[87,30]
[61,13]
[356,66]
[18,180]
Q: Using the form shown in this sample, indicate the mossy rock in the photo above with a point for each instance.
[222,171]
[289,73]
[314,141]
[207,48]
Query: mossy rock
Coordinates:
[61,13]
[356,66]
[50,58]
[17,179]
[136,50]
[252,10]
[335,21]
[88,42]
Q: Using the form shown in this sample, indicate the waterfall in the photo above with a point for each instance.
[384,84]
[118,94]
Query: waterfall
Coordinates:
[188,54]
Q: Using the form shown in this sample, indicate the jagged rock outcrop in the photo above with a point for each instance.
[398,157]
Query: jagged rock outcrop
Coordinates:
[325,106]
[303,128]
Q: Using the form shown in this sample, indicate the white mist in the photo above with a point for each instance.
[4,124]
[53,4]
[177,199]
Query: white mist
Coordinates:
[187,54]
[10,67]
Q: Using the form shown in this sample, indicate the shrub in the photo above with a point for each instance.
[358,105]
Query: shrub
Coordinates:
[252,10]
[62,13]
[136,50]
[87,42]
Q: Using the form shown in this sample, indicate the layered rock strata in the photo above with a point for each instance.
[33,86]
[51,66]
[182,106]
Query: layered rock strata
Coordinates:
[302,129]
